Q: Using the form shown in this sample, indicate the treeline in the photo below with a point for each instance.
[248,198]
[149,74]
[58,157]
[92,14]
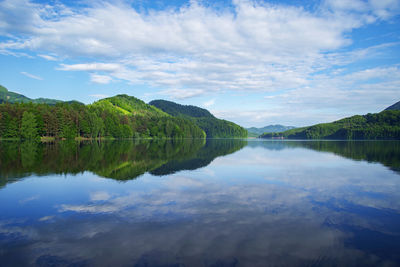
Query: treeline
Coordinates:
[383,125]
[68,121]
[121,116]
[217,128]
[213,127]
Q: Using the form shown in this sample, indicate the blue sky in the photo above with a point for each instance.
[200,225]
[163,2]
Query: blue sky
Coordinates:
[251,62]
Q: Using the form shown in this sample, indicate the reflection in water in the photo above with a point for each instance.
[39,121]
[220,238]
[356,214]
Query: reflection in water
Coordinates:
[268,204]
[120,160]
[384,152]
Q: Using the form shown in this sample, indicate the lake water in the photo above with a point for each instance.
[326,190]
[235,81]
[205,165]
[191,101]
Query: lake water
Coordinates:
[200,203]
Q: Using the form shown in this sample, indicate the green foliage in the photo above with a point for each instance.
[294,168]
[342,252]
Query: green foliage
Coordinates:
[29,129]
[3,89]
[129,105]
[175,109]
[383,125]
[216,128]
[213,127]
[116,117]
[395,106]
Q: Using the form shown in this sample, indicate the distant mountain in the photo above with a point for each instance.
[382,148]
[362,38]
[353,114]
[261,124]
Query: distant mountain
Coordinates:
[213,127]
[11,97]
[395,106]
[269,129]
[383,125]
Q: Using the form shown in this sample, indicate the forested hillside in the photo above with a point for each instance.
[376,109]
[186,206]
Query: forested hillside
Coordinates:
[11,97]
[175,109]
[383,125]
[213,127]
[254,132]
[121,116]
[395,106]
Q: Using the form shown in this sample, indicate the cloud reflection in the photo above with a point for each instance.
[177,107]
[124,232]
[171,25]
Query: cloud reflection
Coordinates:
[277,207]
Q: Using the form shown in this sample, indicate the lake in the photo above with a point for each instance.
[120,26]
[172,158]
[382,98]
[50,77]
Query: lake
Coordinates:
[200,203]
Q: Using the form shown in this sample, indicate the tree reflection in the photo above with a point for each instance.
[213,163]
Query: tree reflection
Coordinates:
[120,160]
[384,152]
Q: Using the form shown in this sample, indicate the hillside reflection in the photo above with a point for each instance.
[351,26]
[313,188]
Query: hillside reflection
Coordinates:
[120,160]
[385,152]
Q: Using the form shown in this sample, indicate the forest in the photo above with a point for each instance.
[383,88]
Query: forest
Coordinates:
[213,127]
[118,117]
[376,126]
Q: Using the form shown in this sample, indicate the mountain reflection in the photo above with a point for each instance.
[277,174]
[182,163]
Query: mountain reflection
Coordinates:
[120,160]
[270,204]
[384,152]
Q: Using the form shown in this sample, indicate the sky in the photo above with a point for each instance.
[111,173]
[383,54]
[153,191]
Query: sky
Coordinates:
[252,62]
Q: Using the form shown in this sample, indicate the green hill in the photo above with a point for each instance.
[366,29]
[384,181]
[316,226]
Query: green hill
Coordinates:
[129,105]
[118,117]
[3,89]
[11,97]
[383,125]
[254,132]
[395,106]
[213,127]
[141,120]
[177,110]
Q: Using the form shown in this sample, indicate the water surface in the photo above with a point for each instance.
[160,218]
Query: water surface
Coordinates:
[200,203]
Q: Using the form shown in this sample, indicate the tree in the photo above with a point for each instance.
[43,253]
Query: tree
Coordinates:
[29,129]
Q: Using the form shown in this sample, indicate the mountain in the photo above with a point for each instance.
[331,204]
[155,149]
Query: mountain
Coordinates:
[129,105]
[395,106]
[213,127]
[11,97]
[127,116]
[177,110]
[269,129]
[383,125]
[120,117]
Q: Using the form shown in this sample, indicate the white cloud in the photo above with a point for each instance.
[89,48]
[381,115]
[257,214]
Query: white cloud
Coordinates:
[99,96]
[90,67]
[260,47]
[101,79]
[371,10]
[46,218]
[195,49]
[29,199]
[99,196]
[48,57]
[209,103]
[31,76]
[385,9]
[327,97]
[182,93]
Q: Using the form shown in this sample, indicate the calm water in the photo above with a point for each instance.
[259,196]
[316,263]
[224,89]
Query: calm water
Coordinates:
[200,203]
